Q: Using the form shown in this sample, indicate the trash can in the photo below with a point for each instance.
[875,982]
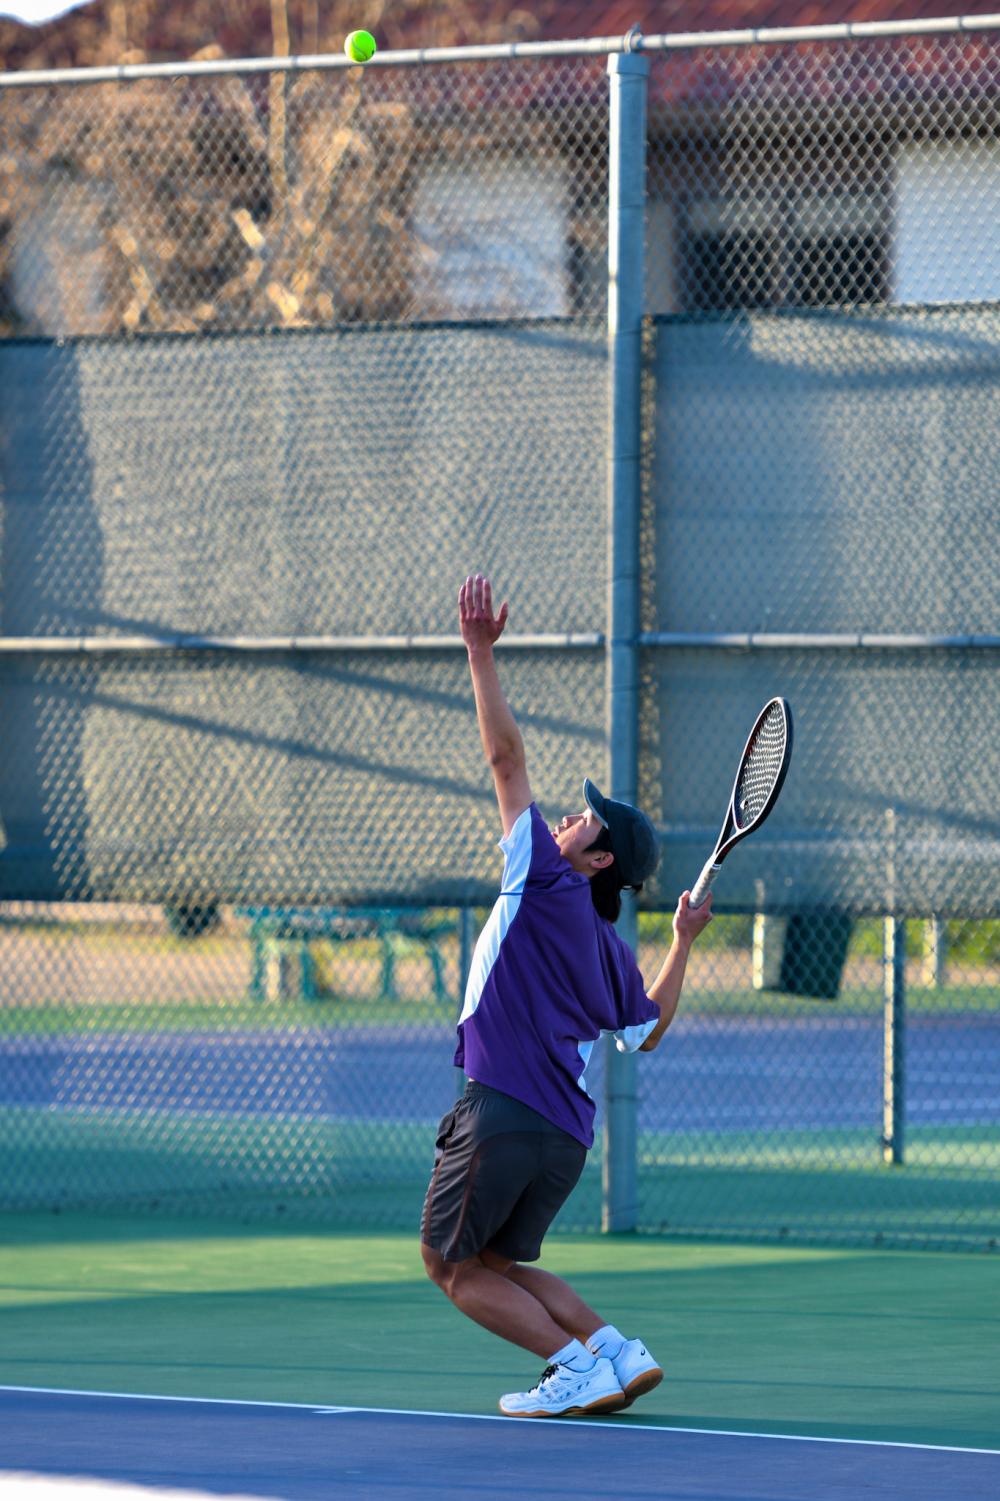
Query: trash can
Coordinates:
[814,954]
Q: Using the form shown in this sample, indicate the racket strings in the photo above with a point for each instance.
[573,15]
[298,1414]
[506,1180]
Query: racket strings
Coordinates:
[761,768]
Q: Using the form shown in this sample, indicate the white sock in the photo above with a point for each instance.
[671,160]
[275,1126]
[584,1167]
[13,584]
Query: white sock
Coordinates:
[606,1342]
[575,1355]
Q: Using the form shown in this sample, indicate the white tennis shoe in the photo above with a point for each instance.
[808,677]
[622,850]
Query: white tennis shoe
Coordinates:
[562,1392]
[636,1370]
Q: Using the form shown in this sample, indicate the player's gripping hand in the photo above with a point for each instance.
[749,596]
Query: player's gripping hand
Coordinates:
[480,627]
[690,921]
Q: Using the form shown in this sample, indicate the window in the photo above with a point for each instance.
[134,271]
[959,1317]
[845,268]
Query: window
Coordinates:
[492,243]
[800,249]
[947,248]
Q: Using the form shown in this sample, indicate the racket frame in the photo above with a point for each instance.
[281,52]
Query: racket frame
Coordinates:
[731,834]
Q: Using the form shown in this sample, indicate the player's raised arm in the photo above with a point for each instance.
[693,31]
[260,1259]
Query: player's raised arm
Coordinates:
[502,743]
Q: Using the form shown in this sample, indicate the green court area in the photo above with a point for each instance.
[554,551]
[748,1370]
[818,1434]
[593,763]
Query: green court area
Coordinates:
[235,1013]
[222,1016]
[835,1343]
[790,1186]
[793,1186]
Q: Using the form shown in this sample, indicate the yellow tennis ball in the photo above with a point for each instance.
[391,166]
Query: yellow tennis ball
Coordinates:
[360,46]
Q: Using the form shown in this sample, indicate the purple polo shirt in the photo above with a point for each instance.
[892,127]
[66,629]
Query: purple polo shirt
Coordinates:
[548,976]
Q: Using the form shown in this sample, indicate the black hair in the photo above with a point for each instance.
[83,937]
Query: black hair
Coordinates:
[606,885]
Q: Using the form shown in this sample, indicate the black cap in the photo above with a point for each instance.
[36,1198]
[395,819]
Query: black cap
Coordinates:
[634,841]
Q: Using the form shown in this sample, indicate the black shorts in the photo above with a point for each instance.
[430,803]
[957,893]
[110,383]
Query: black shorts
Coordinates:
[501,1174]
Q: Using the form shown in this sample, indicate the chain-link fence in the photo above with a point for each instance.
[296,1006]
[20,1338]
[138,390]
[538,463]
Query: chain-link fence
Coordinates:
[286,353]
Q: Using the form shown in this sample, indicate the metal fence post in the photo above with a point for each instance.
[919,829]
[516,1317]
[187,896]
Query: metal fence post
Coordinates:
[628,73]
[894,1012]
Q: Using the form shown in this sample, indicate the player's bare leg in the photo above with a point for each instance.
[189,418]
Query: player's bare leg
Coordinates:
[489,1298]
[637,1371]
[565,1306]
[574,1379]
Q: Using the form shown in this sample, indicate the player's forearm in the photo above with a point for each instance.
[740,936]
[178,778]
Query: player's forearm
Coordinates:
[497,727]
[666,989]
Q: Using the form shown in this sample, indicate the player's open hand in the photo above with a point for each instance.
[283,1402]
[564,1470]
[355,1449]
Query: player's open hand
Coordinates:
[690,921]
[480,627]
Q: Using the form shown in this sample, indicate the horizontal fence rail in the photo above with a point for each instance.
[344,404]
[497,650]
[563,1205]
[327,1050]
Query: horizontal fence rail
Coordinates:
[553,641]
[631,41]
[835,31]
[806,641]
[100,645]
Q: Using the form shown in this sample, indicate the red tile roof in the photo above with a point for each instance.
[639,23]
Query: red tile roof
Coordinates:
[574,18]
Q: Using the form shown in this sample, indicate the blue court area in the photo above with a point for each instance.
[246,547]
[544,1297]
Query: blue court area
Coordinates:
[295,1451]
[823,1074]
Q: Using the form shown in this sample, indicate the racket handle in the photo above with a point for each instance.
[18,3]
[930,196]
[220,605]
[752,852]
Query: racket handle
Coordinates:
[703,884]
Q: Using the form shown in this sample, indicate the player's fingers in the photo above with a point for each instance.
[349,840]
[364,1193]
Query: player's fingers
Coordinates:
[502,617]
[477,594]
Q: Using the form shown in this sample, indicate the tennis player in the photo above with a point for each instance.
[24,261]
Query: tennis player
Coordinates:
[549,975]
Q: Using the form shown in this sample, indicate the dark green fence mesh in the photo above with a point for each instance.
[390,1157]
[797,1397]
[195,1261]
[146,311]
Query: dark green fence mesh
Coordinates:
[283,360]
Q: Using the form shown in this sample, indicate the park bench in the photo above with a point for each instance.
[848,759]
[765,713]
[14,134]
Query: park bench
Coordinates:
[283,961]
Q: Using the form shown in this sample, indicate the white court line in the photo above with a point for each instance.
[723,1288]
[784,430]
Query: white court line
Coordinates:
[608,1425]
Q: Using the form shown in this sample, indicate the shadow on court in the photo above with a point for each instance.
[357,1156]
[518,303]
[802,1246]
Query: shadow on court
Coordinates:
[832,1344]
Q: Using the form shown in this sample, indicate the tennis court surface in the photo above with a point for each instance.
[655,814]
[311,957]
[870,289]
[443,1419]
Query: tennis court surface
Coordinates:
[221,1359]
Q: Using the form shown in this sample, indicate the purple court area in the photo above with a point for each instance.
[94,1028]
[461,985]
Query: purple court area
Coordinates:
[307,1453]
[716,1074]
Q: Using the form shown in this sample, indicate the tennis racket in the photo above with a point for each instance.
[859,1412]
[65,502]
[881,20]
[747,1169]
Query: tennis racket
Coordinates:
[763,765]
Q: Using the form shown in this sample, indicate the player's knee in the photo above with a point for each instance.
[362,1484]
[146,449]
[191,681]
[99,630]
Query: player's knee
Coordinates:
[447,1275]
[436,1267]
